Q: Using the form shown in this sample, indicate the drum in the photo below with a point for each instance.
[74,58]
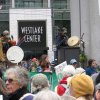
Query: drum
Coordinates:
[73,41]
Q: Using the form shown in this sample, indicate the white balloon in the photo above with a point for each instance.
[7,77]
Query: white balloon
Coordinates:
[15,54]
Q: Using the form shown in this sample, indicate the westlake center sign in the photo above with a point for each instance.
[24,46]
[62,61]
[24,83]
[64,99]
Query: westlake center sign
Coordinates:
[31,34]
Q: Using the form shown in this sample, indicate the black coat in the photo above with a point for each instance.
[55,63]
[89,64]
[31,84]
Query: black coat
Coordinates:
[18,94]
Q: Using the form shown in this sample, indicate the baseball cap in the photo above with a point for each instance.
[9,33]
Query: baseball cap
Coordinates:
[72,61]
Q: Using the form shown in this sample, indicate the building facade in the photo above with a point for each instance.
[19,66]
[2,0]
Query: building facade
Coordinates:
[80,17]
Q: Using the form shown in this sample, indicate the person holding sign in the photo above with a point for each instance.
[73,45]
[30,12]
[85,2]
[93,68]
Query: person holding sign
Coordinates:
[63,85]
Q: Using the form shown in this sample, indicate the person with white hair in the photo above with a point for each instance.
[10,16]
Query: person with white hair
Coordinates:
[39,82]
[79,70]
[69,70]
[16,82]
[47,95]
[63,85]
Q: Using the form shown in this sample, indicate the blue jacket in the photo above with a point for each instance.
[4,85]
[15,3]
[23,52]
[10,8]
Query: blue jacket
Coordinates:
[90,70]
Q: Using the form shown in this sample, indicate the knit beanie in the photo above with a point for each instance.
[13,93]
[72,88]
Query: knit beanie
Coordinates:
[82,85]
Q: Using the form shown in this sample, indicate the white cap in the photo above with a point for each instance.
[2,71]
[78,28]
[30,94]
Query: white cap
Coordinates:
[72,61]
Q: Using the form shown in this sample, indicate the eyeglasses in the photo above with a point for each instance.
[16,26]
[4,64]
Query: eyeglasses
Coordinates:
[10,80]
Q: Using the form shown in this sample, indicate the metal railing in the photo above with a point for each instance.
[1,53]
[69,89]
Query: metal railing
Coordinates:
[31,5]
[35,5]
[61,6]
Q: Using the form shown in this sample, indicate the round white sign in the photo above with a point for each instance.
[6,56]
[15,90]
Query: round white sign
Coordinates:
[15,54]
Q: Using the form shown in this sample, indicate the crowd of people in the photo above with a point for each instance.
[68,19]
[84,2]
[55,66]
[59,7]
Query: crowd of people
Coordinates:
[76,84]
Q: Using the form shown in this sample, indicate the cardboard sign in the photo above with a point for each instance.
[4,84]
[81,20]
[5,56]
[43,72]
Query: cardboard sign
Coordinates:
[59,69]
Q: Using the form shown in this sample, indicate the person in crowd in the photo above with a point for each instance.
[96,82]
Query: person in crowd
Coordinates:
[1,74]
[63,85]
[3,90]
[82,87]
[44,64]
[79,70]
[47,95]
[97,92]
[25,64]
[73,62]
[16,82]
[62,37]
[7,41]
[39,82]
[67,97]
[91,68]
[96,78]
[34,64]
[2,57]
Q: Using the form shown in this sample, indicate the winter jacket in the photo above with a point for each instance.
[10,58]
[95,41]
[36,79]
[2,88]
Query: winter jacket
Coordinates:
[18,94]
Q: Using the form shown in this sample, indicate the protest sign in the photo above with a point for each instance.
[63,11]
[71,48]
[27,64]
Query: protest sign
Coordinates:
[59,68]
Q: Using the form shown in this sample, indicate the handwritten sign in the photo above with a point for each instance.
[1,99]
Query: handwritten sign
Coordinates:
[59,69]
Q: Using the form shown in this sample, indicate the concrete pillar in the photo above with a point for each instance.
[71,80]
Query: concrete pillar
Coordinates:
[49,3]
[13,3]
[80,22]
[75,18]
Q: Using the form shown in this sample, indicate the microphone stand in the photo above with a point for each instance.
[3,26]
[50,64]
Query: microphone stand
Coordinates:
[82,43]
